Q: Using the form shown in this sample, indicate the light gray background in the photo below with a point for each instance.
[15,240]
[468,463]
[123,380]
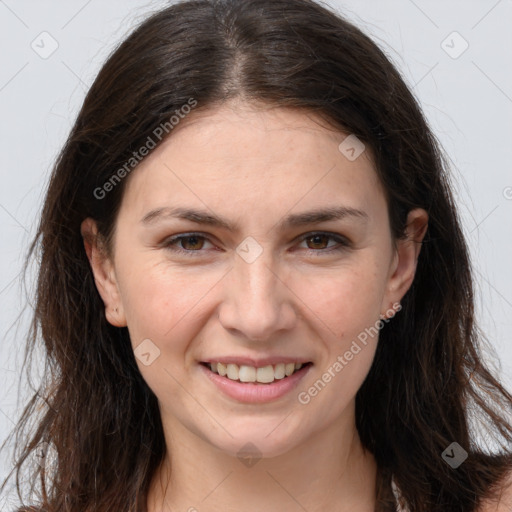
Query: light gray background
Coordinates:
[467,100]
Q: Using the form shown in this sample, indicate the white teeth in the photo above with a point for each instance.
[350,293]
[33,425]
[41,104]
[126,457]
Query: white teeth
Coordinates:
[221,369]
[289,368]
[279,371]
[264,375]
[232,371]
[247,374]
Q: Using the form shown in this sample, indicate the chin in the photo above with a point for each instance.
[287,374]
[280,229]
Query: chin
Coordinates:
[260,439]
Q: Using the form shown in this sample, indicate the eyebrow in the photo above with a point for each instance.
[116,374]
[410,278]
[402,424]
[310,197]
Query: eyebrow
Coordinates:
[293,220]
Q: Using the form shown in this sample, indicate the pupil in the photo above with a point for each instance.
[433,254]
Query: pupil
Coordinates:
[185,241]
[316,237]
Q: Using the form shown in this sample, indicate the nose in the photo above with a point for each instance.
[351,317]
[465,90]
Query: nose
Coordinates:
[258,304]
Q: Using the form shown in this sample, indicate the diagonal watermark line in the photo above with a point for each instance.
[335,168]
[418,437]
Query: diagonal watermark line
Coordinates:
[83,83]
[424,14]
[14,218]
[14,76]
[76,14]
[279,424]
[332,332]
[470,213]
[168,506]
[492,81]
[491,212]
[165,165]
[46,402]
[286,491]
[7,7]
[198,402]
[206,293]
[10,282]
[425,75]
[495,289]
[301,198]
[217,486]
[486,14]
[7,417]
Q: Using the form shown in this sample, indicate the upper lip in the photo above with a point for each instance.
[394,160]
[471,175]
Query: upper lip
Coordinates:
[257,363]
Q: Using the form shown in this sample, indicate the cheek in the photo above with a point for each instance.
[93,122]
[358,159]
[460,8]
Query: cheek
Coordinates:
[164,308]
[346,310]
[344,300]
[159,301]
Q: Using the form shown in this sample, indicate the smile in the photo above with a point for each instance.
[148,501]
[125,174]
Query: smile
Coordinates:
[250,374]
[255,384]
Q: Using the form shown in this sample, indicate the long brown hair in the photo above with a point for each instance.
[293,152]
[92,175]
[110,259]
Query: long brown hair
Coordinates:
[427,382]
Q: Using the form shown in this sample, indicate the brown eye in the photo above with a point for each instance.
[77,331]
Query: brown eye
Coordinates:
[318,241]
[192,242]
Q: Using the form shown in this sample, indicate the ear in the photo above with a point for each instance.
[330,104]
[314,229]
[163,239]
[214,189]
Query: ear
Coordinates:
[104,274]
[405,259]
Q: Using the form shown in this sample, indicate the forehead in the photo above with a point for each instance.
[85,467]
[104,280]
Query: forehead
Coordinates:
[236,158]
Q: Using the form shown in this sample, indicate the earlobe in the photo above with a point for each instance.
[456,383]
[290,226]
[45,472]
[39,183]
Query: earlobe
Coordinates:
[406,257]
[104,275]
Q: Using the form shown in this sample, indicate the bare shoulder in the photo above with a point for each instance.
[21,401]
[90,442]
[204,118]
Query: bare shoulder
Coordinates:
[505,501]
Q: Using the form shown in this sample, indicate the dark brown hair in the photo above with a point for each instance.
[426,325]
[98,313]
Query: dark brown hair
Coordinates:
[428,382]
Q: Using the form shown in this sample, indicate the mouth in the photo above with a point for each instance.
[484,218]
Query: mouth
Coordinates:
[255,375]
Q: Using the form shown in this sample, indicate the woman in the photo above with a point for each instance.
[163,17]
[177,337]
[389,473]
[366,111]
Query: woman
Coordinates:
[254,290]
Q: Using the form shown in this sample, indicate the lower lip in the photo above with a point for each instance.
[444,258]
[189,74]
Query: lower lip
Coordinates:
[253,392]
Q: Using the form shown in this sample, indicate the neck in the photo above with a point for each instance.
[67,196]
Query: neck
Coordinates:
[330,471]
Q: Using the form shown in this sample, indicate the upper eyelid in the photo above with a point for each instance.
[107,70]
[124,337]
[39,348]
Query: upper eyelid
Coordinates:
[340,239]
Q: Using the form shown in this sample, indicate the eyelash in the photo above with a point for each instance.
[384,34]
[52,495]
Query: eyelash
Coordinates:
[343,243]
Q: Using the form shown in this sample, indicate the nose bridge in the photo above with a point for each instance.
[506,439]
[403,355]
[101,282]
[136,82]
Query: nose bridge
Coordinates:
[257,302]
[258,281]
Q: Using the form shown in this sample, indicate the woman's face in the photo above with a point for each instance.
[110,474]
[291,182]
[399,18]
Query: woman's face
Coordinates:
[259,279]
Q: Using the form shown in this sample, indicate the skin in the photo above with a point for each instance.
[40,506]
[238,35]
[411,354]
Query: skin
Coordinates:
[254,166]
